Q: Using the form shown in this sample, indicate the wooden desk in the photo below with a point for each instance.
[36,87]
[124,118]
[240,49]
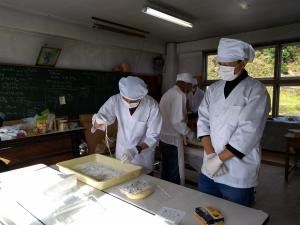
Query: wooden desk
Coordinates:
[47,148]
[292,142]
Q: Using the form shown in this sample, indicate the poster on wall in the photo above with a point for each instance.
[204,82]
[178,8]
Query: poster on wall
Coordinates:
[48,56]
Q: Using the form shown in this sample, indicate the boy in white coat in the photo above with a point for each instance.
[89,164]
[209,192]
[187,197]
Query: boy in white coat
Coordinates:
[139,122]
[173,107]
[231,121]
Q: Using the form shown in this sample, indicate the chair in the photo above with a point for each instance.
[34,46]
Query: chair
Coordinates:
[292,149]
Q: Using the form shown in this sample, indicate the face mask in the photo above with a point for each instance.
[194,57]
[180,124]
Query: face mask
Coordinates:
[227,73]
[131,105]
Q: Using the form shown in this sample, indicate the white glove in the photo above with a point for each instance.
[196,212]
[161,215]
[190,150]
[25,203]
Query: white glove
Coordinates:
[128,156]
[191,136]
[221,171]
[213,164]
[100,120]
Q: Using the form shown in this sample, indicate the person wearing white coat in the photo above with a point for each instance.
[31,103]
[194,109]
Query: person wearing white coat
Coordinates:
[139,122]
[231,121]
[195,97]
[174,113]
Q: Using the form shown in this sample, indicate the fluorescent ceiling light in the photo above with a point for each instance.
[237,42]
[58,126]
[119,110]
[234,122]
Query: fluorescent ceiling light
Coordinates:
[153,12]
[244,5]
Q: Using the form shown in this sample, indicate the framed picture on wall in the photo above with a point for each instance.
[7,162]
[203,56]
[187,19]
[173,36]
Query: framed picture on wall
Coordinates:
[48,56]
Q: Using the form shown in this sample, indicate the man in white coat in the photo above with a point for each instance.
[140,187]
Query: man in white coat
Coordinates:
[174,113]
[139,122]
[231,121]
[195,97]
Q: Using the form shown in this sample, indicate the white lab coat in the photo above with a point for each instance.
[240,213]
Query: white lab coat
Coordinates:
[194,99]
[174,113]
[238,120]
[143,125]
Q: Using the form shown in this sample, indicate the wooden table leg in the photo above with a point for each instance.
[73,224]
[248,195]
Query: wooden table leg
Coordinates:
[287,162]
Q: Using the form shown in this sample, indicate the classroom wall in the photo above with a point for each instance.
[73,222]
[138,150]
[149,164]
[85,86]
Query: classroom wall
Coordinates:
[18,47]
[22,35]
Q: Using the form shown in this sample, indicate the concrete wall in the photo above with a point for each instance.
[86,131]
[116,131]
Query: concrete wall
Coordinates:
[191,63]
[22,35]
[171,67]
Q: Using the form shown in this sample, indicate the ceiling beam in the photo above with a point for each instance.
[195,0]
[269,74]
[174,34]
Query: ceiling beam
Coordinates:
[119,25]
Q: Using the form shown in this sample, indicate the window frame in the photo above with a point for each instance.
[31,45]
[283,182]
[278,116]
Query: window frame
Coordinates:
[276,81]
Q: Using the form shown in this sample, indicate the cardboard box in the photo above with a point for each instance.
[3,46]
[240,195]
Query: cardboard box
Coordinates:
[96,142]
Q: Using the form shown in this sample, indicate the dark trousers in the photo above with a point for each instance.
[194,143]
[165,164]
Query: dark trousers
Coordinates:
[243,196]
[169,163]
[151,174]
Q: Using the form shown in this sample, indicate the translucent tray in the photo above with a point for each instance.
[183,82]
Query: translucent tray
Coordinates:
[129,171]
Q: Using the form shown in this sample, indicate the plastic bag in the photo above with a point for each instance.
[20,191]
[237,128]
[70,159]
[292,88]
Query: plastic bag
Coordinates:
[138,189]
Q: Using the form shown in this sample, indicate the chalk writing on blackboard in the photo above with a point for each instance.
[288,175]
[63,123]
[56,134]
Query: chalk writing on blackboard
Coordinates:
[25,90]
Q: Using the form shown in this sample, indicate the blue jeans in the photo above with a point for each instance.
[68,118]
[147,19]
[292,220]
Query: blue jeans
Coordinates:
[169,163]
[243,196]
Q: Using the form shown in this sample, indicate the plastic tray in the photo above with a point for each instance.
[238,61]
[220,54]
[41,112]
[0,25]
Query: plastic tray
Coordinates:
[130,171]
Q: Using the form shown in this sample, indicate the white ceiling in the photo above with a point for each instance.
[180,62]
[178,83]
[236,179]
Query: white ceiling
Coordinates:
[211,17]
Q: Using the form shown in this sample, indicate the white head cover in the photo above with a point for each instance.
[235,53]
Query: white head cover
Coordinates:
[230,50]
[185,77]
[195,82]
[132,88]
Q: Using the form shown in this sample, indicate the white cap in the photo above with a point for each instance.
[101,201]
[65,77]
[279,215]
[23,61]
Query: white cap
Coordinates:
[185,77]
[132,88]
[230,50]
[195,82]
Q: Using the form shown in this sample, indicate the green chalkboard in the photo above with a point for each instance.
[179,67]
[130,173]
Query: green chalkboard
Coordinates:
[25,91]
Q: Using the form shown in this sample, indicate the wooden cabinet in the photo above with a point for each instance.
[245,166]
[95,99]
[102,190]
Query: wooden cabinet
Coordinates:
[47,148]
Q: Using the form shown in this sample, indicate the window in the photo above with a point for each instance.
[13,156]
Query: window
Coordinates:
[289,101]
[270,91]
[290,61]
[263,65]
[289,80]
[278,67]
[212,68]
